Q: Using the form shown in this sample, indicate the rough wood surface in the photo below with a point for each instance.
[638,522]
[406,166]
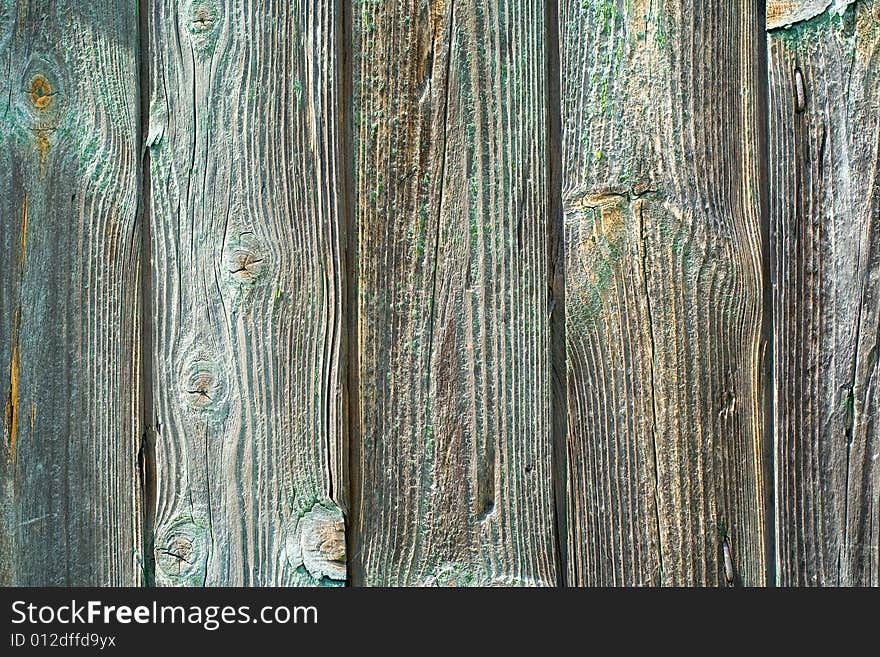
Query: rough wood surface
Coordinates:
[69,184]
[824,135]
[663,248]
[348,273]
[454,466]
[247,290]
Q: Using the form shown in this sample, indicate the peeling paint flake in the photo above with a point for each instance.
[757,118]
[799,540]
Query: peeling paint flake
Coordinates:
[785,13]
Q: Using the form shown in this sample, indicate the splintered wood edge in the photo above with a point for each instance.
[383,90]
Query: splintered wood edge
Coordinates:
[784,13]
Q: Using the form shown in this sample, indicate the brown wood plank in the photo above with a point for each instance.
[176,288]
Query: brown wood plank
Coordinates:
[453,466]
[661,138]
[824,74]
[248,290]
[69,185]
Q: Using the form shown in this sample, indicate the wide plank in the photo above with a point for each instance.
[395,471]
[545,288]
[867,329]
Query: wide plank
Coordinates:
[452,459]
[661,151]
[247,261]
[69,301]
[824,73]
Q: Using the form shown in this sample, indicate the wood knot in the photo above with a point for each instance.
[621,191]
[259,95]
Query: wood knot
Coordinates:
[244,260]
[181,553]
[203,18]
[40,92]
[203,24]
[177,555]
[204,388]
[316,542]
[200,389]
[41,103]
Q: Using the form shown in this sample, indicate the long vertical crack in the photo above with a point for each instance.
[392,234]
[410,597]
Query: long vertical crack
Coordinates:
[850,426]
[648,308]
[556,284]
[147,452]
[432,309]
[433,302]
[864,267]
[349,243]
[767,315]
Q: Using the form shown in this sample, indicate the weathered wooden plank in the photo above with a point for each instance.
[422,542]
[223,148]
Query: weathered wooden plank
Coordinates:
[69,184]
[454,460]
[825,210]
[247,263]
[663,256]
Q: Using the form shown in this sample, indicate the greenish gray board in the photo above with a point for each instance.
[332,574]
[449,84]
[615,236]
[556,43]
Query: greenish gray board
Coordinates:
[69,303]
[824,75]
[661,137]
[248,291]
[453,464]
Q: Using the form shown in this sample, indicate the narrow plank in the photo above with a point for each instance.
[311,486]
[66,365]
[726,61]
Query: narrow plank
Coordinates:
[663,263]
[248,293]
[825,207]
[69,185]
[453,467]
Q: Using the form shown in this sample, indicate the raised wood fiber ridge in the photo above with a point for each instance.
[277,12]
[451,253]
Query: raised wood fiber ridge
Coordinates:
[439,293]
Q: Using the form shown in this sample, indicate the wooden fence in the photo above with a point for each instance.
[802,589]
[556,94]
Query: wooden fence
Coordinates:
[440,292]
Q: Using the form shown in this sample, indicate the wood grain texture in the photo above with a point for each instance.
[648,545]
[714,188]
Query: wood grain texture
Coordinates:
[663,247]
[248,289]
[454,460]
[825,211]
[69,184]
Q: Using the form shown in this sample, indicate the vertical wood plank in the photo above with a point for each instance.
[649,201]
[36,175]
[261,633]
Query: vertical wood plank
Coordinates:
[454,461]
[248,294]
[663,249]
[825,207]
[69,185]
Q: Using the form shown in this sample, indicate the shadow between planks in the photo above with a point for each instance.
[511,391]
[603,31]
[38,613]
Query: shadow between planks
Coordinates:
[439,293]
